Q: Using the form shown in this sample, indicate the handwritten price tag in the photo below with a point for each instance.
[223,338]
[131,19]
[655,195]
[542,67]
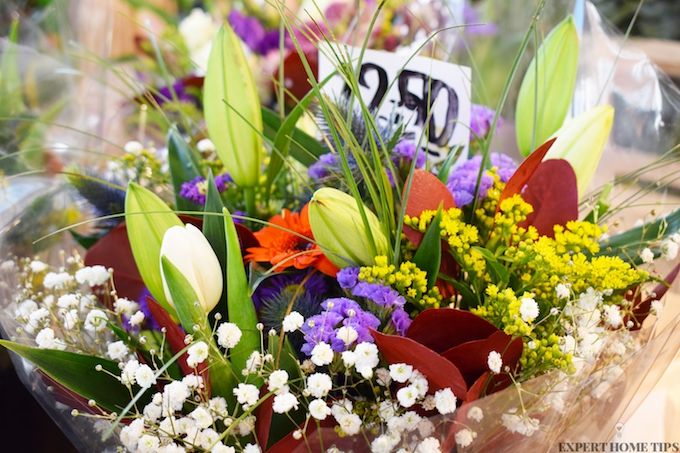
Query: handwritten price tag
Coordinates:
[426,95]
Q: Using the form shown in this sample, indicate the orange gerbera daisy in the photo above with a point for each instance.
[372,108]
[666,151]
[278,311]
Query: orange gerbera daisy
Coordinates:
[283,249]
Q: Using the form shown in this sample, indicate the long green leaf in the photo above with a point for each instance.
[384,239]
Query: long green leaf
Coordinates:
[77,373]
[213,229]
[499,274]
[428,257]
[240,305]
[183,167]
[148,218]
[303,147]
[232,109]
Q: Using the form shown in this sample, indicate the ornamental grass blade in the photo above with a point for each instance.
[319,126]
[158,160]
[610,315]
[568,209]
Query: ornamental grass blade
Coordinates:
[148,218]
[548,86]
[77,373]
[240,305]
[232,109]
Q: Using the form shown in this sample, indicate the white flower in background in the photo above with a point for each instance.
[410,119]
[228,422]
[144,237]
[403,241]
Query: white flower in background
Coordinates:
[528,309]
[322,354]
[464,437]
[46,340]
[95,321]
[401,372]
[193,381]
[589,300]
[519,424]
[495,362]
[385,443]
[57,280]
[612,316]
[445,401]
[123,306]
[148,444]
[669,249]
[349,423]
[255,361]
[590,345]
[475,413]
[92,275]
[347,334]
[37,319]
[284,403]
[38,267]
[349,358]
[25,309]
[419,382]
[429,445]
[278,381]
[117,350]
[251,448]
[70,318]
[341,407]
[246,394]
[127,374]
[221,448]
[205,145]
[174,395]
[319,409]
[292,322]
[191,253]
[411,421]
[319,384]
[366,359]
[407,396]
[130,434]
[246,426]
[646,255]
[133,147]
[136,319]
[198,352]
[228,335]
[198,30]
[568,344]
[144,376]
[218,406]
[68,301]
[152,412]
[87,302]
[202,417]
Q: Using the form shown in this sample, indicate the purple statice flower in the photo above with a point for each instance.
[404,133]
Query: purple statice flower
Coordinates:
[401,321]
[405,151]
[196,189]
[481,118]
[165,94]
[324,166]
[247,28]
[463,178]
[475,24]
[338,312]
[381,295]
[348,277]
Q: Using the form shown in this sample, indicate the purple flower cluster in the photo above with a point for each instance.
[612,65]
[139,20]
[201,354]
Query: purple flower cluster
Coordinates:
[324,166]
[481,118]
[253,34]
[196,189]
[381,295]
[463,178]
[405,151]
[338,312]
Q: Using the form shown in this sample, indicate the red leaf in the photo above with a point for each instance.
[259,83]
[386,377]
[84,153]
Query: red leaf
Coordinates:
[524,172]
[174,334]
[440,372]
[427,193]
[297,82]
[311,437]
[641,308]
[113,251]
[263,419]
[471,357]
[553,193]
[440,329]
[487,384]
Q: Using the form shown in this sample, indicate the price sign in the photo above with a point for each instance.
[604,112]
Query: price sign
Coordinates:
[428,96]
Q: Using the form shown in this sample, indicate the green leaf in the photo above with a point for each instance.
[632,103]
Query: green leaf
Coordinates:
[428,257]
[148,218]
[627,245]
[468,297]
[77,373]
[183,167]
[213,229]
[240,305]
[548,85]
[232,109]
[445,167]
[303,147]
[84,241]
[10,78]
[499,274]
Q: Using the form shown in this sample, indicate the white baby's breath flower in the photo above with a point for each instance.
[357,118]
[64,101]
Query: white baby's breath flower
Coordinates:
[205,145]
[519,424]
[419,382]
[193,381]
[123,306]
[246,394]
[429,445]
[228,335]
[148,444]
[145,376]
[475,413]
[495,362]
[657,307]
[221,448]
[349,423]
[284,403]
[59,280]
[385,443]
[68,301]
[38,267]
[69,318]
[349,358]
[117,350]
[198,352]
[612,315]
[218,406]
[407,396]
[589,300]
[347,334]
[37,319]
[319,384]
[322,354]
[464,437]
[669,249]
[46,340]
[202,417]
[127,374]
[278,381]
[292,322]
[92,275]
[366,359]
[568,344]
[445,401]
[152,412]
[95,321]
[401,372]
[174,395]
[137,318]
[25,309]
[246,426]
[319,409]
[646,255]
[254,362]
[133,147]
[251,448]
[130,434]
[528,309]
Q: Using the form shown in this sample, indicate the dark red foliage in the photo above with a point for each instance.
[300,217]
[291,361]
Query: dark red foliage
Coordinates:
[427,193]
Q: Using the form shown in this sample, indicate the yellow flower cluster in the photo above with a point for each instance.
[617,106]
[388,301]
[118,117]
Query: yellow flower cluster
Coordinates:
[408,280]
[486,212]
[543,353]
[501,308]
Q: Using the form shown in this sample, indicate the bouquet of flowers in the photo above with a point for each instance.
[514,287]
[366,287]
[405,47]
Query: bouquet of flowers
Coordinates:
[272,286]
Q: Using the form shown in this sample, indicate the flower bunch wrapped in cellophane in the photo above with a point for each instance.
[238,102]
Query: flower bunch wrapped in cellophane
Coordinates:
[334,290]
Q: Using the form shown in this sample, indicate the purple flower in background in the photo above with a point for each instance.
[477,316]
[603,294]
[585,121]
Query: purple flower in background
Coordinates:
[405,151]
[463,178]
[165,94]
[475,24]
[481,118]
[338,312]
[247,28]
[196,189]
[324,166]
